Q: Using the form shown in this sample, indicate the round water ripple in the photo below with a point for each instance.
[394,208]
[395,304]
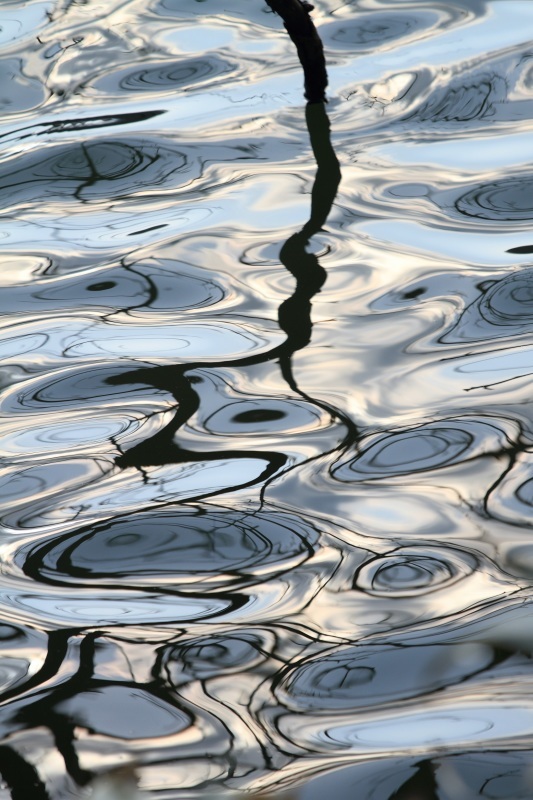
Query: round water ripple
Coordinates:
[208,340]
[150,286]
[240,11]
[178,286]
[363,676]
[504,309]
[213,656]
[371,32]
[75,387]
[27,486]
[114,486]
[412,571]
[474,726]
[486,709]
[87,431]
[507,200]
[264,415]
[85,609]
[509,302]
[90,171]
[163,76]
[371,594]
[109,288]
[186,549]
[183,586]
[425,448]
[463,98]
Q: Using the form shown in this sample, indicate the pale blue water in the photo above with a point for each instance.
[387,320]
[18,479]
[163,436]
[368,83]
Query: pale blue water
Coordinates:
[266,496]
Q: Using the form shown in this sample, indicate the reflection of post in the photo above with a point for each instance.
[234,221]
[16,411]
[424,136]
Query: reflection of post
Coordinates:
[295,313]
[301,29]
[328,175]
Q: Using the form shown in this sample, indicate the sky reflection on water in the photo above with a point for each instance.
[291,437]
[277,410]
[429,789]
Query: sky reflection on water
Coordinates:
[265,455]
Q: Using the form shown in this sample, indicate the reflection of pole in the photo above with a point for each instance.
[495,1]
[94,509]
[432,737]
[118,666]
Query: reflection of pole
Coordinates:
[328,175]
[301,29]
[294,314]
[20,777]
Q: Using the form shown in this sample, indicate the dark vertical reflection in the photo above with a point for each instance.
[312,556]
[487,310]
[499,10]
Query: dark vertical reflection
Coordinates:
[56,709]
[420,786]
[294,316]
[38,710]
[300,27]
[20,777]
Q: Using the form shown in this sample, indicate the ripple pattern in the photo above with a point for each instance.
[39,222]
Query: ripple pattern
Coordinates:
[426,448]
[411,571]
[90,172]
[193,550]
[265,400]
[503,309]
[508,200]
[362,677]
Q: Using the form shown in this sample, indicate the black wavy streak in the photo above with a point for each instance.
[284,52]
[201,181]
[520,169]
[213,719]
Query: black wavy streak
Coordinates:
[294,317]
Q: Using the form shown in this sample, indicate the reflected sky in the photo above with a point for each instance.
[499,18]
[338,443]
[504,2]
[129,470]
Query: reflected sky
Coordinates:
[265,452]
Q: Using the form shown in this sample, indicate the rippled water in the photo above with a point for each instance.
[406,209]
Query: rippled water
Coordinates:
[266,480]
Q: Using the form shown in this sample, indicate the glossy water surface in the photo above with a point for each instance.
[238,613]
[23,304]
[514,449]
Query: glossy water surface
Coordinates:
[266,480]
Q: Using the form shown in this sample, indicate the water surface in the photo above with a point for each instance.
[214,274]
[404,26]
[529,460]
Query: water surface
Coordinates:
[266,438]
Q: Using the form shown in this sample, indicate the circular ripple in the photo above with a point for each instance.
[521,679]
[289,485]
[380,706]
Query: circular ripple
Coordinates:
[207,340]
[32,483]
[110,288]
[197,549]
[178,286]
[263,416]
[412,571]
[509,302]
[211,656]
[56,436]
[504,309]
[525,492]
[168,76]
[161,76]
[462,102]
[155,285]
[427,447]
[374,30]
[359,676]
[94,170]
[74,387]
[507,200]
[409,451]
